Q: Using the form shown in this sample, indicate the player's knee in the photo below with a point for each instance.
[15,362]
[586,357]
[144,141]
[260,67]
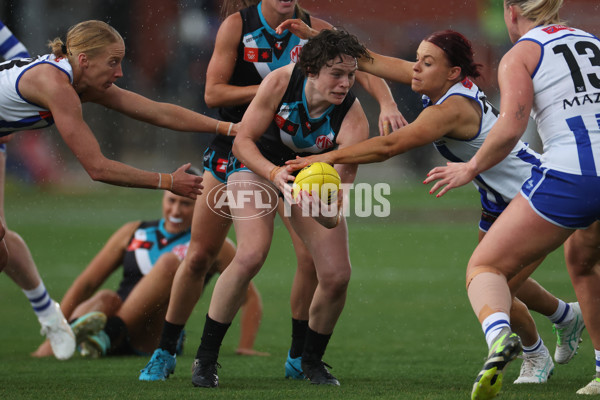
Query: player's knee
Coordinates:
[109,297]
[167,264]
[249,262]
[335,282]
[473,271]
[199,261]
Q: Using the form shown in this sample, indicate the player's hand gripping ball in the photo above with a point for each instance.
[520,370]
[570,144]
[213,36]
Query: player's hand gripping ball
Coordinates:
[320,177]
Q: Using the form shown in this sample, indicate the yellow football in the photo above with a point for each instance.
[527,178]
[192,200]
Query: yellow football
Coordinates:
[320,177]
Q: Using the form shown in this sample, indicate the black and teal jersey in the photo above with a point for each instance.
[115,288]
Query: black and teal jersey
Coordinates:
[259,52]
[293,132]
[149,241]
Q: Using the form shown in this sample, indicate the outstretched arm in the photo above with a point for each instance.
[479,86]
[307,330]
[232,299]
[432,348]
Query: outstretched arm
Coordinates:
[433,123]
[99,269]
[165,115]
[51,89]
[516,88]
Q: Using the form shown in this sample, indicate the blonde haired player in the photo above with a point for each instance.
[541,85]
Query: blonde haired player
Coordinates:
[550,72]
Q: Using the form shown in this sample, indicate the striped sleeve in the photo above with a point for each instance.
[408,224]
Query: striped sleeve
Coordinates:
[10,46]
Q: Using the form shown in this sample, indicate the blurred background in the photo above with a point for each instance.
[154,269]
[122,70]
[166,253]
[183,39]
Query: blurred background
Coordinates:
[169,43]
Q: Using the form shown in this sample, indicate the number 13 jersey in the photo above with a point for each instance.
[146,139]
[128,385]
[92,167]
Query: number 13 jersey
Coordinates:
[566,106]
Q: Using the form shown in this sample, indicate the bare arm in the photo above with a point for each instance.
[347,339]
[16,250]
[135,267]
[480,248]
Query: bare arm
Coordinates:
[98,270]
[218,91]
[433,123]
[390,68]
[516,89]
[165,115]
[257,119]
[48,87]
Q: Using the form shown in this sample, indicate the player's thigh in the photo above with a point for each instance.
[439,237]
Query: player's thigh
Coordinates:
[210,224]
[328,247]
[517,238]
[252,219]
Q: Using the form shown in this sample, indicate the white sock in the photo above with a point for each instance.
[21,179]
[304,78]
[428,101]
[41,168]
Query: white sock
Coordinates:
[40,300]
[563,314]
[538,347]
[597,362]
[492,325]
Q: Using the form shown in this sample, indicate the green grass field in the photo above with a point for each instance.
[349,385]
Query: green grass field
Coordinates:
[407,331]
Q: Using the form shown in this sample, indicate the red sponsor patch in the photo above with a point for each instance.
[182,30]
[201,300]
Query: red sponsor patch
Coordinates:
[279,121]
[253,54]
[323,142]
[556,28]
[139,244]
[222,165]
[467,83]
[45,114]
[250,54]
[180,250]
[295,53]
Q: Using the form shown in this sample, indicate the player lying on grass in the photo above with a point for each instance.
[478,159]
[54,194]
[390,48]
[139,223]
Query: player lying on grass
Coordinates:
[149,252]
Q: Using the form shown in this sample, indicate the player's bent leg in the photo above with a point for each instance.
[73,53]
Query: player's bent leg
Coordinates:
[209,231]
[303,288]
[332,263]
[254,235]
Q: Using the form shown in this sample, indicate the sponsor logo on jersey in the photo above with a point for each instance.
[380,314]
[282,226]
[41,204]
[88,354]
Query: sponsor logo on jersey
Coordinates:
[295,53]
[467,83]
[253,54]
[286,125]
[221,165]
[323,142]
[139,244]
[582,100]
[556,28]
[180,250]
[279,121]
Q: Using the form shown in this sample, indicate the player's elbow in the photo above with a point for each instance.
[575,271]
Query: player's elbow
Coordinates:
[211,97]
[96,172]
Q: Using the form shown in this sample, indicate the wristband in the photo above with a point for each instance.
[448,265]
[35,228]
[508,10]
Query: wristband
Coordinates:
[217,128]
[229,130]
[274,172]
[163,184]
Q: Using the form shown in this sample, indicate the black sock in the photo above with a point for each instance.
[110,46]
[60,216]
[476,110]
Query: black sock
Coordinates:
[116,330]
[299,328]
[315,346]
[212,337]
[169,337]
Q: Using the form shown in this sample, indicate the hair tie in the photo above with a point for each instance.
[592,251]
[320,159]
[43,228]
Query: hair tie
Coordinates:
[64,49]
